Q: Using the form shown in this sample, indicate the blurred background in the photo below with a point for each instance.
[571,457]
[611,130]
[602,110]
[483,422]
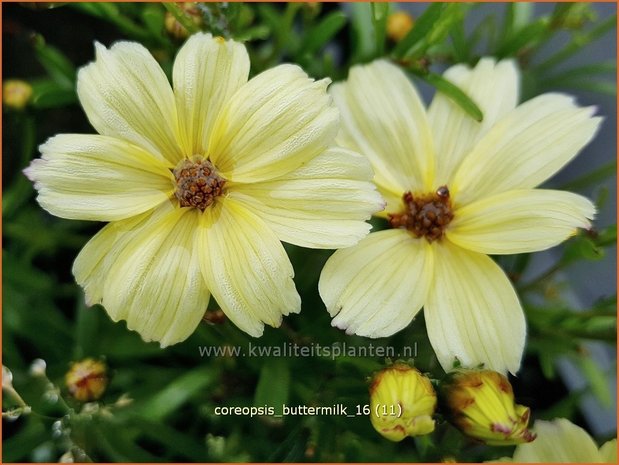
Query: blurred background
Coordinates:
[159,404]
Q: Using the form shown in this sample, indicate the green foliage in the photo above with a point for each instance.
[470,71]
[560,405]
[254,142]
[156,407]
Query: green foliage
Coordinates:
[160,405]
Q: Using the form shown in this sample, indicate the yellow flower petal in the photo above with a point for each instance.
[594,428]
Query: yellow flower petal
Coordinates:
[246,267]
[493,87]
[90,177]
[609,451]
[520,221]
[377,287]
[323,204]
[149,274]
[558,441]
[384,119]
[472,312]
[125,94]
[92,265]
[525,148]
[272,125]
[206,74]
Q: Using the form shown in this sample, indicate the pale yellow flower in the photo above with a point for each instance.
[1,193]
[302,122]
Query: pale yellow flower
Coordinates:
[456,190]
[201,182]
[561,441]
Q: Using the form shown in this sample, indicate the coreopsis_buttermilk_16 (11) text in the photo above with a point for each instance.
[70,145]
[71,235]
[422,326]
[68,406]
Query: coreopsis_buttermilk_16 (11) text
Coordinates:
[199,183]
[457,190]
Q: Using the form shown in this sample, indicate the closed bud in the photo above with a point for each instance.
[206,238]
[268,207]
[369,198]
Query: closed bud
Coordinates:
[16,94]
[176,29]
[398,25]
[481,404]
[402,402]
[87,379]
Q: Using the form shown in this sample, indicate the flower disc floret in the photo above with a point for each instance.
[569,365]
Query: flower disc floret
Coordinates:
[197,183]
[424,215]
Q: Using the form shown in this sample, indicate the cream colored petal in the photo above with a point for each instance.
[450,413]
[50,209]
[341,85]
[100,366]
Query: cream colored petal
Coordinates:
[91,177]
[525,148]
[472,312]
[609,451]
[272,125]
[376,288]
[146,271]
[520,221]
[493,87]
[384,119]
[323,204]
[207,72]
[125,94]
[246,267]
[558,441]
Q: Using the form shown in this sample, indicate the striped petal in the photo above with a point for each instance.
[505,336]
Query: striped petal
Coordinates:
[384,119]
[207,72]
[146,271]
[126,94]
[520,221]
[90,177]
[376,288]
[323,204]
[493,87]
[246,267]
[472,312]
[272,125]
[525,148]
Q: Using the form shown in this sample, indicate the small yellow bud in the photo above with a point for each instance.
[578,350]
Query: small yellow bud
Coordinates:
[16,94]
[402,402]
[398,25]
[481,404]
[87,379]
[176,29]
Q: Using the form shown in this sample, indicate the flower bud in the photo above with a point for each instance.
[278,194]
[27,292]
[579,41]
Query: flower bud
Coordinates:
[398,25]
[481,404]
[87,379]
[402,402]
[176,29]
[16,94]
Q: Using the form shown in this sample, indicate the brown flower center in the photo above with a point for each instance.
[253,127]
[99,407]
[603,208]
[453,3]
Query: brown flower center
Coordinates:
[197,183]
[425,215]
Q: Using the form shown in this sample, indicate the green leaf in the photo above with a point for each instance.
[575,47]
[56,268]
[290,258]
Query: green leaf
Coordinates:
[362,39]
[380,12]
[592,178]
[322,33]
[454,93]
[600,87]
[176,393]
[153,17]
[274,384]
[581,248]
[597,379]
[517,16]
[607,236]
[422,27]
[176,441]
[579,40]
[48,93]
[57,65]
[529,36]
